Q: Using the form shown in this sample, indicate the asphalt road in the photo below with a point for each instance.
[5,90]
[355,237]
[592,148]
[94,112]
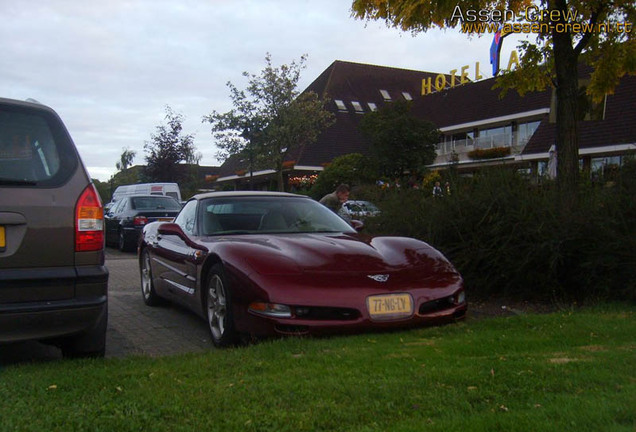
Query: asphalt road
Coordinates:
[133,327]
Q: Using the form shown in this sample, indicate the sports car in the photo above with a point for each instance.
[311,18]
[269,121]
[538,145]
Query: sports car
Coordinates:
[269,263]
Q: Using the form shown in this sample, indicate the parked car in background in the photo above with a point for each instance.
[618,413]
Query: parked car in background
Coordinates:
[355,209]
[166,189]
[53,282]
[268,263]
[127,217]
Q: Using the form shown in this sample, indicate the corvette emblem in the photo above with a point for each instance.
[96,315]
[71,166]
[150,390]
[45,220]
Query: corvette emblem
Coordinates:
[379,277]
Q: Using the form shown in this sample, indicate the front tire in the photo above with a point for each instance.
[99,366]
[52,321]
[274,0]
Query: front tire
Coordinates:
[147,286]
[218,308]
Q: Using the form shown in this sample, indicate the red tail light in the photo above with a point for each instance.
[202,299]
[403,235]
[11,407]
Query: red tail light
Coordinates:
[140,220]
[89,221]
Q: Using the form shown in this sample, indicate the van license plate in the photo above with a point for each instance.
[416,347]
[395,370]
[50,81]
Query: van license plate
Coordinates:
[3,239]
[390,306]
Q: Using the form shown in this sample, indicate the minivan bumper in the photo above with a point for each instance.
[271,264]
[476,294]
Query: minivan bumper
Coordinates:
[47,319]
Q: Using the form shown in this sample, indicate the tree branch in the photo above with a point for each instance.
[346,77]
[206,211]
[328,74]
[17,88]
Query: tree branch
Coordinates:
[588,35]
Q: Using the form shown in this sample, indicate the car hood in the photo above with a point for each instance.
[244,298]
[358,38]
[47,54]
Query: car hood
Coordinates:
[333,253]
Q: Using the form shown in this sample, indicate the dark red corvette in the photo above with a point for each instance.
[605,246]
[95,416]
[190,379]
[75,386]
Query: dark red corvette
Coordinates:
[262,263]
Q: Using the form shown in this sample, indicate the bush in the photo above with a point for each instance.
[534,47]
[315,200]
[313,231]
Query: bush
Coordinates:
[509,238]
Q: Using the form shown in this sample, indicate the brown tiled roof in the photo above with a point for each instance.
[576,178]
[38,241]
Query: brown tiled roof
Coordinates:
[476,101]
[618,127]
[348,81]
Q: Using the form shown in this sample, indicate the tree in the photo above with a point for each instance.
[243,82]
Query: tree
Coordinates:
[124,174]
[271,120]
[400,142]
[125,160]
[552,59]
[103,188]
[167,149]
[352,169]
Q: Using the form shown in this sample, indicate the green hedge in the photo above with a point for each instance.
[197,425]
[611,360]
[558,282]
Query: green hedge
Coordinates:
[513,239]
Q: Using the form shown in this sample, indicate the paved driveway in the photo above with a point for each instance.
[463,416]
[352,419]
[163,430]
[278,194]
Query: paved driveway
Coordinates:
[133,327]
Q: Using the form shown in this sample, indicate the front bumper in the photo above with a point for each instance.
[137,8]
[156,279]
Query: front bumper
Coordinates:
[267,326]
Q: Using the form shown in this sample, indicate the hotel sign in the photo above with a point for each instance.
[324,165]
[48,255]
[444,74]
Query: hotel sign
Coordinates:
[459,76]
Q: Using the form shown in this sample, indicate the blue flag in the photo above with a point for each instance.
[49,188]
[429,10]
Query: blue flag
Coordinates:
[495,49]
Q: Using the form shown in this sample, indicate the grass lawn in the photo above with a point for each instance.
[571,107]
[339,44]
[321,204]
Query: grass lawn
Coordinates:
[566,371]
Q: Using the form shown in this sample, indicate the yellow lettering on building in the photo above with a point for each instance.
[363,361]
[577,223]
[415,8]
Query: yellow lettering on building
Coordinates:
[464,78]
[453,74]
[426,86]
[441,80]
[478,76]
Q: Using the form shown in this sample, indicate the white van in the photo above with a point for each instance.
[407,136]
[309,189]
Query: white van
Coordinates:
[167,189]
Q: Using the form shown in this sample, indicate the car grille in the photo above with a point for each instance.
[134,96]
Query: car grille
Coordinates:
[327,313]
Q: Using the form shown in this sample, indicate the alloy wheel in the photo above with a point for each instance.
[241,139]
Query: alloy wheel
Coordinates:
[217,307]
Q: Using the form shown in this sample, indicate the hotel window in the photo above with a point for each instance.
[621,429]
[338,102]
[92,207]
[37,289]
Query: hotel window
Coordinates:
[407,96]
[372,106]
[525,131]
[357,106]
[496,137]
[385,94]
[341,105]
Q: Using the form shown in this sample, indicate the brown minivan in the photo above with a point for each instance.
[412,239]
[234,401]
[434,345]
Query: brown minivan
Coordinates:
[53,282]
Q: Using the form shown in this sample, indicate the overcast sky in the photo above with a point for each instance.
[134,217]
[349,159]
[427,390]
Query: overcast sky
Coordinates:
[109,68]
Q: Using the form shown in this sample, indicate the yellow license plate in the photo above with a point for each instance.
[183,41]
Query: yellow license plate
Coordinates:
[3,239]
[390,306]
[164,219]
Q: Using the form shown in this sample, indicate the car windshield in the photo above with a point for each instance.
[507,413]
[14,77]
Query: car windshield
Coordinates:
[155,203]
[269,214]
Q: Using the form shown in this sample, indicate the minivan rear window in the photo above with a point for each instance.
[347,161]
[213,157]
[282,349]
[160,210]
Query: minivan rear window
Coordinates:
[34,148]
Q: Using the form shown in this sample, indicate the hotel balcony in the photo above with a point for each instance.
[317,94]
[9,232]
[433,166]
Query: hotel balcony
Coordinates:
[461,148]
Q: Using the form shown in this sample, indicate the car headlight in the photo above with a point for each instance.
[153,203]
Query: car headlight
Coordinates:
[270,309]
[460,297]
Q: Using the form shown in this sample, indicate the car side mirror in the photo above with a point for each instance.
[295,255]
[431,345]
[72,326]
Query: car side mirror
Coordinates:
[357,225]
[170,228]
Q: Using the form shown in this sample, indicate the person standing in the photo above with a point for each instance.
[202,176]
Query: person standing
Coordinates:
[334,200]
[437,190]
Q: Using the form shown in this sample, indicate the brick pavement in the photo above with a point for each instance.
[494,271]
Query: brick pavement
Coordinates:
[134,328]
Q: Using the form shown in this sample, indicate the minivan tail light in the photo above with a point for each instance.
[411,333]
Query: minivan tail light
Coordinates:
[89,221]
